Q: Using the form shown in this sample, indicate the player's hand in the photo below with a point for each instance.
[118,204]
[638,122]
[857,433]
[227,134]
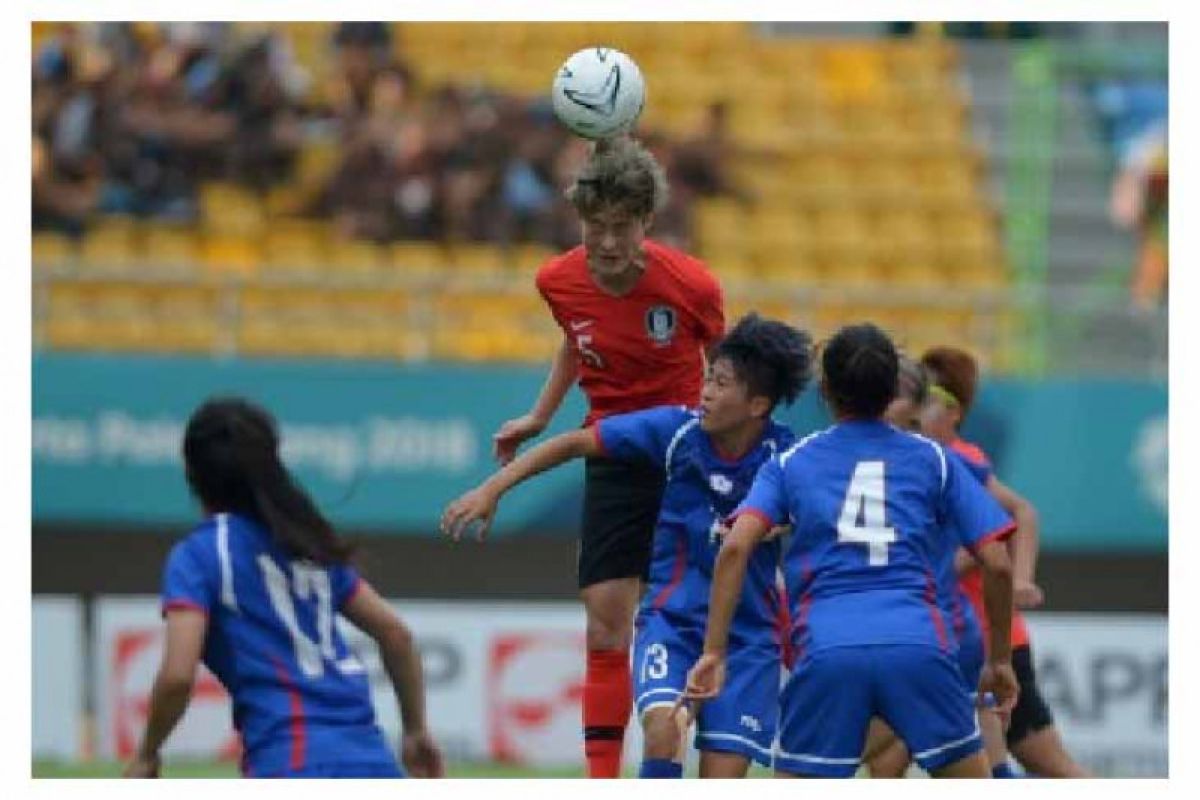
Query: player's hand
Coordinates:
[999,679]
[706,677]
[1027,594]
[512,433]
[477,505]
[142,767]
[421,756]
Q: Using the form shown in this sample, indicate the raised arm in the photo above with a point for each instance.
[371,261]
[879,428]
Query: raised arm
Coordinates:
[564,370]
[479,504]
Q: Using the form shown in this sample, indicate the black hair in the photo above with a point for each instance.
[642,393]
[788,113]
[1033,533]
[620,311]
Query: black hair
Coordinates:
[860,367]
[231,454]
[773,359]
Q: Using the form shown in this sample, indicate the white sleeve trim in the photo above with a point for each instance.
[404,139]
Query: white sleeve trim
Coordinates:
[228,598]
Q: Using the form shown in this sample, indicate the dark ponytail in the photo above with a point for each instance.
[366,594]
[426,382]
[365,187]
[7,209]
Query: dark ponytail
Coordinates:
[231,453]
[859,371]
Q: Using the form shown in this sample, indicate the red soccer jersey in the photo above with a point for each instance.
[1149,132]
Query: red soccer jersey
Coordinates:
[644,348]
[971,582]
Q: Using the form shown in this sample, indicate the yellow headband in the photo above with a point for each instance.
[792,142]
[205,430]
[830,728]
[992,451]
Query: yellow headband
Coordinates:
[944,395]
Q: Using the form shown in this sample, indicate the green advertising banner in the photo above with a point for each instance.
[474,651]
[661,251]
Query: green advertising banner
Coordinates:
[384,447]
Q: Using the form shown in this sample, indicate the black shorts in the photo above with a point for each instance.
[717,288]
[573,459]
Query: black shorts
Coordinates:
[1031,713]
[620,508]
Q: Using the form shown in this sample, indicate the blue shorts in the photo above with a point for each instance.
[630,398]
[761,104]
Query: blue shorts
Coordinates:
[833,693]
[366,769]
[742,719]
[970,654]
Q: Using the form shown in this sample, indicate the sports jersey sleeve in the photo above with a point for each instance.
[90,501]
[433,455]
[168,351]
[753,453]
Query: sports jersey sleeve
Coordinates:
[767,498]
[641,435]
[974,460]
[344,582]
[191,577]
[711,310]
[972,512]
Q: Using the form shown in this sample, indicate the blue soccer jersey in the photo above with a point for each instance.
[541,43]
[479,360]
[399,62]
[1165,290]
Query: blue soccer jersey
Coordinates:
[703,488]
[872,508]
[874,512]
[301,698]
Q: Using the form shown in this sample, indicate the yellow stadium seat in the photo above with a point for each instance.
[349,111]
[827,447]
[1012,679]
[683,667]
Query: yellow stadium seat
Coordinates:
[228,209]
[296,244]
[356,255]
[948,178]
[110,242]
[419,257]
[236,254]
[53,249]
[169,245]
[476,259]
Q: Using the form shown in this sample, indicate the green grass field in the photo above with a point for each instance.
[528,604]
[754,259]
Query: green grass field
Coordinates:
[112,769]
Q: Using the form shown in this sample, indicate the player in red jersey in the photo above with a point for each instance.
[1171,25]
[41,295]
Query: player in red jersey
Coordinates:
[637,317]
[1031,737]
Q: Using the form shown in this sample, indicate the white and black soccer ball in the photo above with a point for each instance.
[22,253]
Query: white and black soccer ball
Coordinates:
[598,92]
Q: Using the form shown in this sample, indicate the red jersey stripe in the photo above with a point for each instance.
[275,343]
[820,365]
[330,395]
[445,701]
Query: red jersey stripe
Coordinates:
[676,573]
[299,733]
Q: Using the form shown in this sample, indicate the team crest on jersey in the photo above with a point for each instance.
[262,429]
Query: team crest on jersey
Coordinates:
[720,484]
[660,324]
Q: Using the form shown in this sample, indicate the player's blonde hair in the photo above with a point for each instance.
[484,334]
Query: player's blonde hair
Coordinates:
[620,172]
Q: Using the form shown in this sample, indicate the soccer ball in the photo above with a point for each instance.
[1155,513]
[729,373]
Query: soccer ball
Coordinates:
[598,92]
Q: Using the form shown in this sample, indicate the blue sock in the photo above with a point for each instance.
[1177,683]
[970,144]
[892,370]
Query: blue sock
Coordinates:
[660,768]
[1003,770]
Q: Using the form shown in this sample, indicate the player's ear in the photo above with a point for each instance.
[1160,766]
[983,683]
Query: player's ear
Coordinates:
[760,406]
[647,222]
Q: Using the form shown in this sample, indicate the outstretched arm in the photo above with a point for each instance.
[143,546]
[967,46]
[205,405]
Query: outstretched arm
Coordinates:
[563,372]
[479,504]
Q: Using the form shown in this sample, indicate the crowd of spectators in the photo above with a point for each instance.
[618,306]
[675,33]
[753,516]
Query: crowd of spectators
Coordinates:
[132,118]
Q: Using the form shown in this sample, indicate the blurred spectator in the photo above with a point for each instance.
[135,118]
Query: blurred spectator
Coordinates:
[1139,203]
[1133,122]
[133,118]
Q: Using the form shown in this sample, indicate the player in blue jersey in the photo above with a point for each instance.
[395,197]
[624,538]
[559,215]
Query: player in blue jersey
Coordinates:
[885,755]
[870,507]
[710,457]
[253,593]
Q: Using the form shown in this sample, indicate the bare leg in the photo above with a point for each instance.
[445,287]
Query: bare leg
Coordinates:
[992,729]
[885,755]
[973,766]
[610,606]
[1042,753]
[723,765]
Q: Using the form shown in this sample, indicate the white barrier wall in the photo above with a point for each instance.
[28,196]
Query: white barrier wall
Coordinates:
[505,683]
[1105,679]
[57,677]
